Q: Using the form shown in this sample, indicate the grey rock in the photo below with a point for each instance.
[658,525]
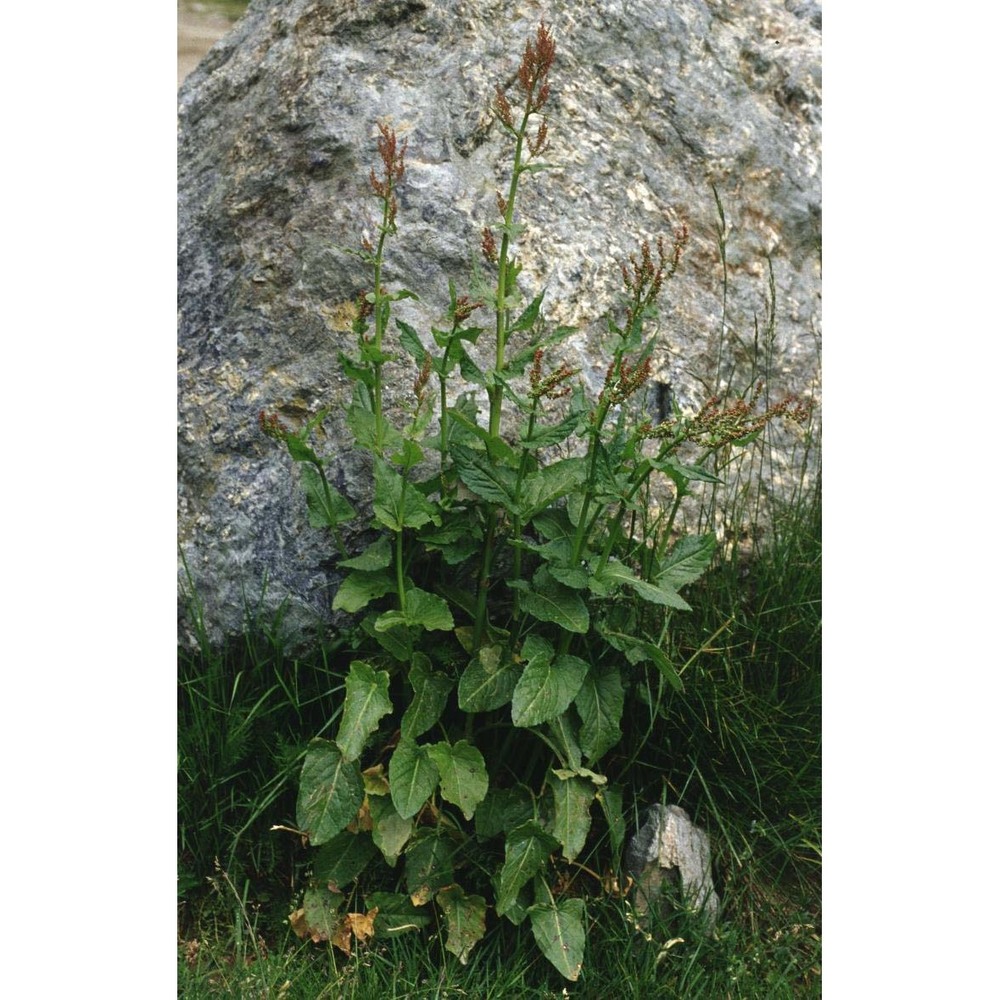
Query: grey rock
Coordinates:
[652,104]
[668,847]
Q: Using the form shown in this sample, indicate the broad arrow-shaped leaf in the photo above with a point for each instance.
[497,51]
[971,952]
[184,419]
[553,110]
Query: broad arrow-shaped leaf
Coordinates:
[412,778]
[571,825]
[428,865]
[558,929]
[546,688]
[687,560]
[463,774]
[551,601]
[367,701]
[525,852]
[330,792]
[466,920]
[608,578]
[430,694]
[390,831]
[341,859]
[488,681]
[600,702]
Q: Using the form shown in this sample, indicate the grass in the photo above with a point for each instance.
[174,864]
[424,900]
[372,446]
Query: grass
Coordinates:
[740,750]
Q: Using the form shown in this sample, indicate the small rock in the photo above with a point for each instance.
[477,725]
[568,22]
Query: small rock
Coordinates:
[666,847]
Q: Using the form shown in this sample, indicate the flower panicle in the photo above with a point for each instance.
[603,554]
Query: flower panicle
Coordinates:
[393,154]
[714,425]
[549,386]
[623,380]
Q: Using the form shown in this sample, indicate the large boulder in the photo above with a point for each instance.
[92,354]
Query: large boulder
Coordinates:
[653,105]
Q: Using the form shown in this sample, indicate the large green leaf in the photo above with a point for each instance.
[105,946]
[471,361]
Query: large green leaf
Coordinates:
[428,864]
[490,481]
[559,931]
[330,792]
[551,601]
[398,504]
[488,681]
[360,587]
[571,824]
[390,831]
[423,610]
[600,702]
[366,702]
[541,488]
[341,860]
[412,777]
[503,809]
[327,508]
[639,650]
[377,556]
[465,917]
[546,687]
[687,560]
[464,780]
[526,850]
[563,730]
[430,695]
[614,574]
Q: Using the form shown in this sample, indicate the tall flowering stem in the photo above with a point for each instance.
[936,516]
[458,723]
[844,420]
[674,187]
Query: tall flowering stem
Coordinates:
[532,78]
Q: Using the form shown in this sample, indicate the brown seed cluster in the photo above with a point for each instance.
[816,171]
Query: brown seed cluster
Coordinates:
[623,380]
[272,426]
[714,426]
[549,386]
[643,279]
[393,167]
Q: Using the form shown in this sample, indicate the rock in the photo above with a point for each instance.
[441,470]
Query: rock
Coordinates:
[668,847]
[652,104]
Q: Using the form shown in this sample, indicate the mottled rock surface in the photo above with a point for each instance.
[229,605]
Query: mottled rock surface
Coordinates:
[669,847]
[651,105]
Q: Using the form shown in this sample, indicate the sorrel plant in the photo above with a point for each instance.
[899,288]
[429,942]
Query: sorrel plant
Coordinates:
[511,601]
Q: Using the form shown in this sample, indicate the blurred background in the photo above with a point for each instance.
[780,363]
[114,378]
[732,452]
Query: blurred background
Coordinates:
[200,24]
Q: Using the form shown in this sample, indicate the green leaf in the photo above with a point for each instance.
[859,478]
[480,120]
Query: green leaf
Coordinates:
[465,917]
[366,702]
[571,824]
[527,318]
[546,688]
[327,507]
[503,809]
[687,560]
[611,803]
[377,556]
[412,778]
[398,642]
[396,914]
[490,481]
[551,601]
[614,574]
[330,792]
[359,588]
[342,859]
[428,611]
[640,649]
[410,341]
[398,504]
[464,780]
[390,831]
[558,929]
[526,850]
[320,912]
[680,473]
[428,863]
[546,436]
[488,681]
[430,695]
[548,484]
[566,741]
[600,702]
